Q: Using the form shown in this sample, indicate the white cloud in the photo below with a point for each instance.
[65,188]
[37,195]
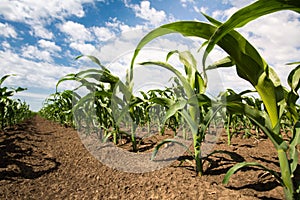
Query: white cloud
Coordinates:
[50,46]
[115,24]
[102,33]
[35,99]
[223,15]
[184,3]
[146,12]
[29,11]
[33,52]
[7,30]
[85,49]
[44,51]
[277,36]
[201,9]
[38,14]
[5,45]
[31,73]
[42,32]
[76,31]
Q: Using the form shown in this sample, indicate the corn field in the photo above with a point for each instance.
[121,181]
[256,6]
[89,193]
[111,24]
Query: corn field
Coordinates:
[268,108]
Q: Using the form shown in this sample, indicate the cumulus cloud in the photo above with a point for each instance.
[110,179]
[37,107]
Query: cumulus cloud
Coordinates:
[30,72]
[148,13]
[7,30]
[44,51]
[102,33]
[29,11]
[223,15]
[276,37]
[6,45]
[35,53]
[50,46]
[86,49]
[76,31]
[37,14]
[41,32]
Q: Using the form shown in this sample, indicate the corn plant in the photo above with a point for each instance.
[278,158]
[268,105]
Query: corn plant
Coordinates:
[234,122]
[58,107]
[275,97]
[253,68]
[12,111]
[92,110]
[193,105]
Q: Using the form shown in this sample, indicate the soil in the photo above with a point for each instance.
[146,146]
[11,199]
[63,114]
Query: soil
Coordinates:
[44,160]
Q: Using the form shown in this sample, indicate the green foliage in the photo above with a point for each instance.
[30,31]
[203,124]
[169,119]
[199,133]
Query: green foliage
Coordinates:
[58,107]
[278,101]
[186,102]
[12,110]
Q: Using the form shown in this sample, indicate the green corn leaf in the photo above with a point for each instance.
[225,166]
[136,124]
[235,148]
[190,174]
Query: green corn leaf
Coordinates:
[212,20]
[166,102]
[210,115]
[294,79]
[93,59]
[293,147]
[20,89]
[241,165]
[294,63]
[260,118]
[68,77]
[173,109]
[250,13]
[225,62]
[3,78]
[189,91]
[102,76]
[166,141]
[293,96]
[192,124]
[187,28]
[193,77]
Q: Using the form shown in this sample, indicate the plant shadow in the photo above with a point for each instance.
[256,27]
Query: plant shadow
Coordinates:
[20,156]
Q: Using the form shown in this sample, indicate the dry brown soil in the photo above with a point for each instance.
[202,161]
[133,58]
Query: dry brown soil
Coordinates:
[44,160]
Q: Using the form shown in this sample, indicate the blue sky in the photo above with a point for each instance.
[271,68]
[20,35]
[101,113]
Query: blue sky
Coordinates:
[40,39]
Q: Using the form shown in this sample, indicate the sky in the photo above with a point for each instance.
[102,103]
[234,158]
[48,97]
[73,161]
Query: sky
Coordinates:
[39,40]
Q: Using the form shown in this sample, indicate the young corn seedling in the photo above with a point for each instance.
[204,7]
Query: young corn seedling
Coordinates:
[192,105]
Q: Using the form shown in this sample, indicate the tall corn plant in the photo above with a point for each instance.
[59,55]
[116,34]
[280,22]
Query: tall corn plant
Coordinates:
[276,99]
[253,68]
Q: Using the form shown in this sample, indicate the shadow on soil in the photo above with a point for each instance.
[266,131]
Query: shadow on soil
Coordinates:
[220,163]
[20,158]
